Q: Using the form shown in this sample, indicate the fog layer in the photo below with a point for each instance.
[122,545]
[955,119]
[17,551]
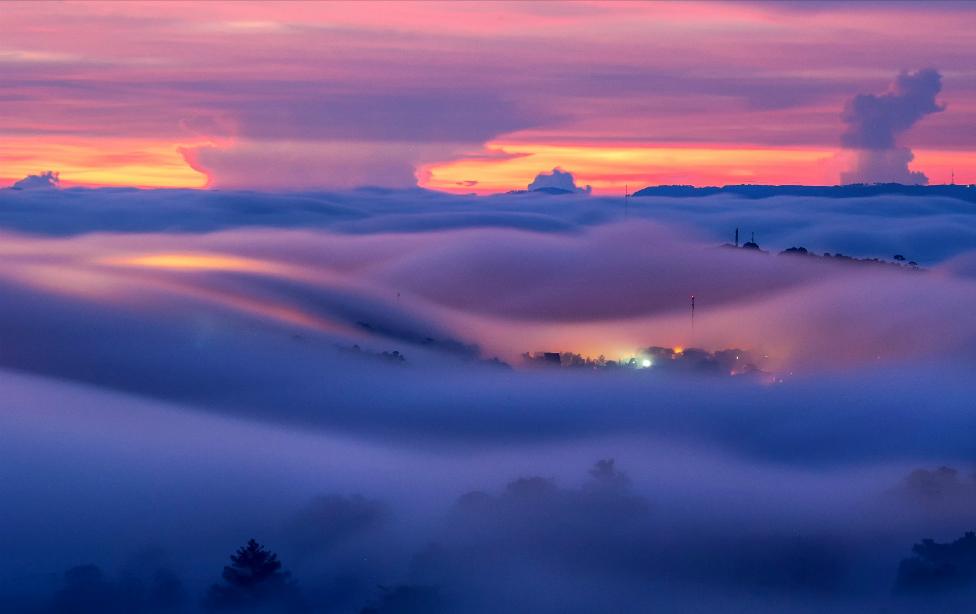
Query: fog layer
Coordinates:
[341,376]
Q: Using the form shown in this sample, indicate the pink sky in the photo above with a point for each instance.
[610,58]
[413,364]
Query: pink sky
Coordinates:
[466,96]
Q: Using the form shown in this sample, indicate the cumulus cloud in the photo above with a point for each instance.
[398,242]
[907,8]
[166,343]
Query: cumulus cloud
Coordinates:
[874,123]
[556,181]
[884,166]
[46,180]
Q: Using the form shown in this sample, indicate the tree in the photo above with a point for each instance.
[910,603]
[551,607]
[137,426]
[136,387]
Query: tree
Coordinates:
[936,566]
[254,579]
[253,565]
[86,589]
[406,600]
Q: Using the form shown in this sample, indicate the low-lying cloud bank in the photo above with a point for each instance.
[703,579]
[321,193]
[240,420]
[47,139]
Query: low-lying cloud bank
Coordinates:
[331,373]
[928,230]
[194,317]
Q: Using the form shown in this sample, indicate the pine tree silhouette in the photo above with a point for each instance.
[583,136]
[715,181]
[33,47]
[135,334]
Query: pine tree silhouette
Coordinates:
[252,565]
[253,579]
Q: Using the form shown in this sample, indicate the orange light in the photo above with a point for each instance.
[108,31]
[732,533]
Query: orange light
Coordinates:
[191,261]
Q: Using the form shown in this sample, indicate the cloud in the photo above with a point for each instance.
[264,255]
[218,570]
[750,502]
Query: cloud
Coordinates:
[329,520]
[884,166]
[301,166]
[46,180]
[558,180]
[939,496]
[189,352]
[317,137]
[928,230]
[304,297]
[874,123]
[402,88]
[938,484]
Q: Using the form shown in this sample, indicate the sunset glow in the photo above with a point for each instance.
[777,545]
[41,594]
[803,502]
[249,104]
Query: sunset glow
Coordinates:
[99,162]
[464,97]
[189,261]
[611,168]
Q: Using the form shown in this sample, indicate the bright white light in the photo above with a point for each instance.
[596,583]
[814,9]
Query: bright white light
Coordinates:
[646,363]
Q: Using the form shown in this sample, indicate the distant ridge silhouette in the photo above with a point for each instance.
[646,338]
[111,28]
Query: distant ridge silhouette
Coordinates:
[962,192]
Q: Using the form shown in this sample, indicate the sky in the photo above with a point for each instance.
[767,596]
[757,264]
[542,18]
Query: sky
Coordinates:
[480,97]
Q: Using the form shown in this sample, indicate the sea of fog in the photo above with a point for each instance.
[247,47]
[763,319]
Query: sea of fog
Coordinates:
[341,376]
